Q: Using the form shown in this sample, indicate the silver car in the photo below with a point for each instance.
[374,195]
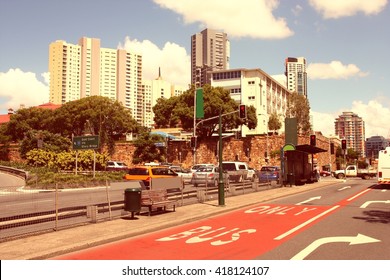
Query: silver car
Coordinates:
[207,175]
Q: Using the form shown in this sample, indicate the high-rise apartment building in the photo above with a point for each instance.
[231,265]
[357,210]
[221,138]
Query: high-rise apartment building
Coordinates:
[210,51]
[350,126]
[86,69]
[296,75]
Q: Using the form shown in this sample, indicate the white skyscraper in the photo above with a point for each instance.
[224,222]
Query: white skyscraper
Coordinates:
[296,75]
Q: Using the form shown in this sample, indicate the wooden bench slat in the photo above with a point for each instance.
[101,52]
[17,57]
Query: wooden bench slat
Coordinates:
[156,199]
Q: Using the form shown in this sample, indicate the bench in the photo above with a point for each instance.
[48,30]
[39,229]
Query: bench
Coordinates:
[156,199]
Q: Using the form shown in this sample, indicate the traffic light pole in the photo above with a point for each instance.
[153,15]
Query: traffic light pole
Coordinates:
[221,184]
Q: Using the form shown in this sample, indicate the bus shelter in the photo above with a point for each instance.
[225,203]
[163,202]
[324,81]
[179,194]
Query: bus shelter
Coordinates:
[298,164]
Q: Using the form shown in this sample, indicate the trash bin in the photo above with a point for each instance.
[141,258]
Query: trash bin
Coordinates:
[291,179]
[133,200]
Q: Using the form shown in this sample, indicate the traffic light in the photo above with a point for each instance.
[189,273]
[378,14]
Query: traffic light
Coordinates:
[312,140]
[332,148]
[344,144]
[193,142]
[242,111]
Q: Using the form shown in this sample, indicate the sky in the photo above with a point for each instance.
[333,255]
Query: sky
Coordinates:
[346,44]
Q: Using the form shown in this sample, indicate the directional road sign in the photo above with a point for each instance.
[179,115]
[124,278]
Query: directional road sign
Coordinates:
[85,142]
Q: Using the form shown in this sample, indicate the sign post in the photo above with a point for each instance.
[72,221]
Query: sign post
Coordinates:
[86,143]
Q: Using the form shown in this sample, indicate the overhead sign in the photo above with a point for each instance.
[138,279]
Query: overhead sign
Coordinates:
[86,142]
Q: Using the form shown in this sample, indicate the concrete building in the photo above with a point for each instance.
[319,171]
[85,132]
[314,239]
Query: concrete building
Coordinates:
[86,69]
[257,88]
[296,75]
[152,90]
[350,126]
[210,50]
[374,144]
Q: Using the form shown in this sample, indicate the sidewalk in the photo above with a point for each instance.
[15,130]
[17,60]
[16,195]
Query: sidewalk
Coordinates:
[51,244]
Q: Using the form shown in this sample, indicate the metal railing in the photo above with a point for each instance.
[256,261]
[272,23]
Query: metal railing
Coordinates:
[26,211]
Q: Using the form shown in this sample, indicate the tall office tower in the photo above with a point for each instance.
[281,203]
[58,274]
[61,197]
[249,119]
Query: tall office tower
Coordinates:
[210,51]
[350,126]
[296,75]
[86,69]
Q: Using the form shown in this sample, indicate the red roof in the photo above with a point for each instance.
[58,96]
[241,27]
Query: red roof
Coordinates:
[4,118]
[49,106]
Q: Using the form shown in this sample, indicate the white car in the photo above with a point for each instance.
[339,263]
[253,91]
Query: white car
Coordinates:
[251,174]
[186,174]
[116,166]
[197,166]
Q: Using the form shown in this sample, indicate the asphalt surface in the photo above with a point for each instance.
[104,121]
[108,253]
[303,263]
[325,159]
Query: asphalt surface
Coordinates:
[47,245]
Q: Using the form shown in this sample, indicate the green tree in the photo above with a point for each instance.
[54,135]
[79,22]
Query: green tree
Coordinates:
[163,112]
[298,107]
[28,119]
[95,115]
[147,149]
[179,111]
[274,122]
[44,140]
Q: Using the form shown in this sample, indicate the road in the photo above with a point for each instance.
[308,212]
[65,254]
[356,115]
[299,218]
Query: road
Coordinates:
[10,183]
[345,221]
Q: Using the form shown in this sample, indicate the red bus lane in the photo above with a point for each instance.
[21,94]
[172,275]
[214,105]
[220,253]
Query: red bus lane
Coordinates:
[242,234]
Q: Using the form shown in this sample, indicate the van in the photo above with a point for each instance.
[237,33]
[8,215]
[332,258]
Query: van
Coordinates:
[237,170]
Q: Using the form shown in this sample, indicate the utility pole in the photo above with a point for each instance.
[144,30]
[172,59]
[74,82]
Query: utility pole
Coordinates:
[221,185]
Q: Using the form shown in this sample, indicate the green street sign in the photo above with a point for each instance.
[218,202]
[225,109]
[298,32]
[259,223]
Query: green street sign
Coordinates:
[199,103]
[86,142]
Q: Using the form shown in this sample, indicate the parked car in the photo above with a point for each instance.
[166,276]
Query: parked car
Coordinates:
[237,170]
[207,175]
[251,174]
[269,173]
[146,173]
[197,166]
[186,174]
[325,173]
[116,166]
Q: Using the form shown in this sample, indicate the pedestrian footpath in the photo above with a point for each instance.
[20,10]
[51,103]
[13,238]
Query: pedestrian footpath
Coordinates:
[47,245]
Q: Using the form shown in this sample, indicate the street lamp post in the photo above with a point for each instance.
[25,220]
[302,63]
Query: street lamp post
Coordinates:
[266,137]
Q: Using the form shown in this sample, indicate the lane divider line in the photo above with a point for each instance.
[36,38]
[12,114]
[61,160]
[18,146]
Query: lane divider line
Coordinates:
[291,231]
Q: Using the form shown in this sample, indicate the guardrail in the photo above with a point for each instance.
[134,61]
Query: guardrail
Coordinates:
[17,172]
[89,208]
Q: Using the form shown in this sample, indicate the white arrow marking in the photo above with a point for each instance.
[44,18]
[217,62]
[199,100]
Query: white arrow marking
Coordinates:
[310,199]
[353,240]
[374,201]
[343,188]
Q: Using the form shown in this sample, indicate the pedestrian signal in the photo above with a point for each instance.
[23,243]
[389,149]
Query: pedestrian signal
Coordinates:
[242,111]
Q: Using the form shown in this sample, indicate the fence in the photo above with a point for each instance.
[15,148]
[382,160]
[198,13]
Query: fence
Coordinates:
[28,211]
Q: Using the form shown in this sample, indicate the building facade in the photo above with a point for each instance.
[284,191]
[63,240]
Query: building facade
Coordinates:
[350,126]
[296,75]
[152,90]
[257,88]
[86,69]
[374,144]
[210,50]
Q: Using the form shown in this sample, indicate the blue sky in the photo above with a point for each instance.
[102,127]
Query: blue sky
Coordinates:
[346,44]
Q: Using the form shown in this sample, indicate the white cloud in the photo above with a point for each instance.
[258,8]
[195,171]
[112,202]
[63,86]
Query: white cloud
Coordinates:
[22,88]
[249,18]
[337,9]
[375,115]
[172,58]
[333,70]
